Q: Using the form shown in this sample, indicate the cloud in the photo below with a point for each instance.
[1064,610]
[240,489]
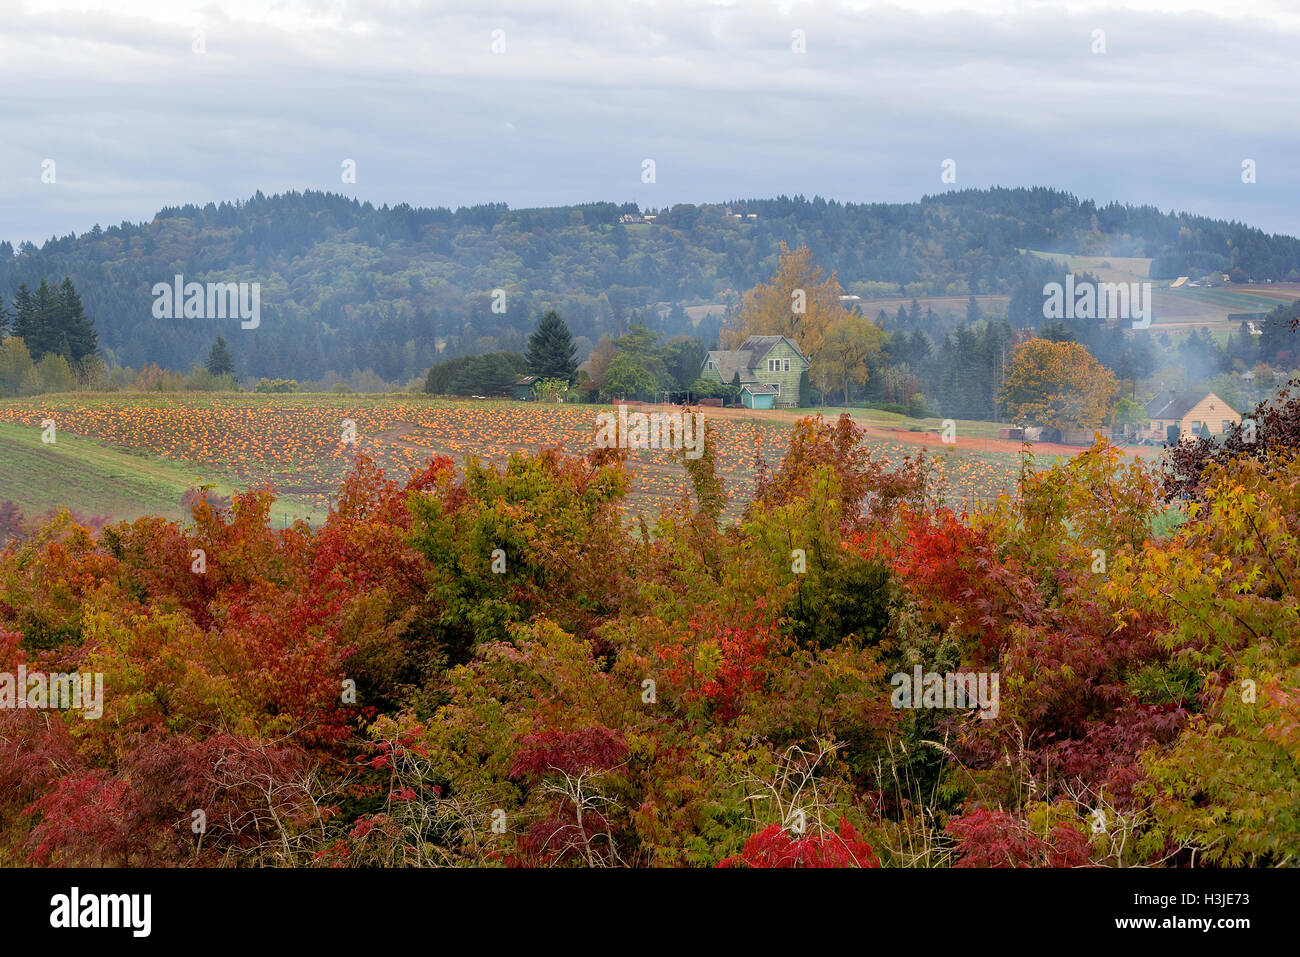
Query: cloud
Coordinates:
[583,92]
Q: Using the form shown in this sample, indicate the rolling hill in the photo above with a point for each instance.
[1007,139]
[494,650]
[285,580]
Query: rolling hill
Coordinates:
[346,286]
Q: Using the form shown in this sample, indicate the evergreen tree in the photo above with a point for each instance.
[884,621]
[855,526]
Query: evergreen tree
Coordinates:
[72,329]
[4,320]
[220,361]
[914,317]
[53,320]
[550,349]
[42,324]
[24,322]
[918,348]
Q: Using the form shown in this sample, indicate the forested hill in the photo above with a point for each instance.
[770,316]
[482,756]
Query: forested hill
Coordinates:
[346,285]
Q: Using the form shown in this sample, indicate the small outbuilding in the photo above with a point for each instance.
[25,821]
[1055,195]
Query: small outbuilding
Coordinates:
[523,387]
[755,396]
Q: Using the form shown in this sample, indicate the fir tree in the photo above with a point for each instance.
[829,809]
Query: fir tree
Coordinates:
[53,320]
[220,361]
[24,323]
[550,349]
[41,324]
[73,330]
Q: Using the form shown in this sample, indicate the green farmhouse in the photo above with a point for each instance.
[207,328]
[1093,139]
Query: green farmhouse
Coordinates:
[771,366]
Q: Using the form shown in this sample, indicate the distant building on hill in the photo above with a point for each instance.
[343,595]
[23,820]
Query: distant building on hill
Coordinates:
[1174,416]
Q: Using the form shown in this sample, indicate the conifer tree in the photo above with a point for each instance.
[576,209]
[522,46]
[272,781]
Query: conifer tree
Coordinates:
[24,315]
[76,337]
[53,320]
[42,323]
[220,361]
[550,349]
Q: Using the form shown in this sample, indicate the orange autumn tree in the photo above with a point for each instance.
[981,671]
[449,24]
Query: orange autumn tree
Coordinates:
[800,301]
[1058,385]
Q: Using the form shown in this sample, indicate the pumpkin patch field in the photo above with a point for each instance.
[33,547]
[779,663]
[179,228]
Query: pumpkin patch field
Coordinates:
[124,455]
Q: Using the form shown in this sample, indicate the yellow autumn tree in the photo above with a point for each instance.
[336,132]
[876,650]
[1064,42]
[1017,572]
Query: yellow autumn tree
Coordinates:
[847,346]
[1058,385]
[800,301]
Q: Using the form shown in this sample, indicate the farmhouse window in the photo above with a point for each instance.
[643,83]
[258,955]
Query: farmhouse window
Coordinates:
[785,365]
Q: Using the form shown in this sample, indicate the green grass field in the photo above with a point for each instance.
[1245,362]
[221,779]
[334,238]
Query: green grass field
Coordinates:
[86,476]
[95,479]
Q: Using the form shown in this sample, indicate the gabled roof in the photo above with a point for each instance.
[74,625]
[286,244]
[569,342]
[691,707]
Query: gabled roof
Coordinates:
[760,346]
[754,388]
[1171,404]
[526,380]
[728,362]
[747,358]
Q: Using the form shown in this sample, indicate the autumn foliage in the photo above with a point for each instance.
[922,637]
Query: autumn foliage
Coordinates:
[489,665]
[1058,385]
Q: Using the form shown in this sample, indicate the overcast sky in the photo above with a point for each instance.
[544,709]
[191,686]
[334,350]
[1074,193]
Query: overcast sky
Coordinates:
[282,93]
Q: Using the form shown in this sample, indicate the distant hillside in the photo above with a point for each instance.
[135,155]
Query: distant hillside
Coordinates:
[346,285]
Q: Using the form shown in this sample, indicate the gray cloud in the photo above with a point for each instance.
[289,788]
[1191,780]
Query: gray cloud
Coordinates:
[584,91]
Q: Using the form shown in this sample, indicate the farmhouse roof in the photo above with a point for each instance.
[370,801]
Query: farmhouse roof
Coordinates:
[1172,404]
[746,359]
[754,388]
[759,346]
[526,380]
[728,362]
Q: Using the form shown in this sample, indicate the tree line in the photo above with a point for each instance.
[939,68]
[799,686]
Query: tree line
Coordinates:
[446,283]
[50,319]
[46,339]
[1078,374]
